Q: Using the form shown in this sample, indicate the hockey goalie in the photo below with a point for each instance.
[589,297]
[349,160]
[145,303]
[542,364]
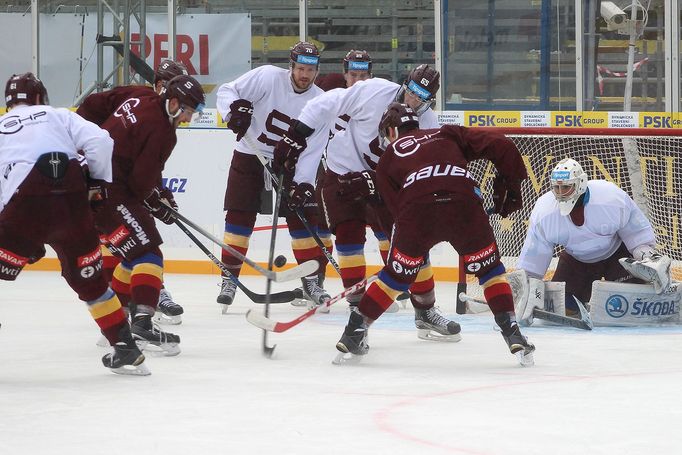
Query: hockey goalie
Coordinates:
[609,261]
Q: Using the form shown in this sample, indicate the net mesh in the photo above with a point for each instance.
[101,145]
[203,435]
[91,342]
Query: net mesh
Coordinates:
[645,164]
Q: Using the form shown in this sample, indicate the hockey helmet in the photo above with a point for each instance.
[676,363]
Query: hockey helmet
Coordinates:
[424,82]
[168,69]
[357,61]
[187,91]
[399,116]
[568,182]
[305,53]
[23,88]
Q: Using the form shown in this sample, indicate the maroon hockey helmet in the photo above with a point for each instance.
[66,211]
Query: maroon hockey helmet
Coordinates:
[306,53]
[168,69]
[23,88]
[424,82]
[188,92]
[396,115]
[357,61]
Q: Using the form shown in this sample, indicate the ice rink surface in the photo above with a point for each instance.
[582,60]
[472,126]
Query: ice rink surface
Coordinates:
[610,391]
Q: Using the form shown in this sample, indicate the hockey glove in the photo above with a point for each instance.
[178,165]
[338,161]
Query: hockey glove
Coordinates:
[506,195]
[299,194]
[240,117]
[289,148]
[153,202]
[358,185]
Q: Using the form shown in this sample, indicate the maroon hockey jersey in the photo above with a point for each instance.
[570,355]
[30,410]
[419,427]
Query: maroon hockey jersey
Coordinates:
[97,107]
[143,140]
[434,161]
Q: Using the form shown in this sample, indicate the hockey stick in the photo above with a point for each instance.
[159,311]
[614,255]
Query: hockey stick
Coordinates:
[298,212]
[294,273]
[584,323]
[278,297]
[268,350]
[461,305]
[268,324]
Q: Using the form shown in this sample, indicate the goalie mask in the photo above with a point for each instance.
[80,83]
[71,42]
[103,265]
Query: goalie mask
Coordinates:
[423,82]
[568,182]
[189,94]
[23,88]
[398,116]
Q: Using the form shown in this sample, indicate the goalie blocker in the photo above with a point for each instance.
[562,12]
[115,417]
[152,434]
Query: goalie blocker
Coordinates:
[611,304]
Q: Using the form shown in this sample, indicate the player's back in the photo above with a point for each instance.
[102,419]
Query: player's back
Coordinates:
[97,107]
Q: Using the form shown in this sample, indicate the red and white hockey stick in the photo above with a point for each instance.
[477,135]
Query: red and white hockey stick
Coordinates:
[268,324]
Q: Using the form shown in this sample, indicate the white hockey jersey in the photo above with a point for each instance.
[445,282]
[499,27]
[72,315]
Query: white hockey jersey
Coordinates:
[356,148]
[27,132]
[275,105]
[611,217]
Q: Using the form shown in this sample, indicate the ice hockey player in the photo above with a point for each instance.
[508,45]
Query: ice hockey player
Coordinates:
[143,129]
[597,223]
[97,109]
[45,197]
[259,107]
[357,66]
[348,187]
[423,179]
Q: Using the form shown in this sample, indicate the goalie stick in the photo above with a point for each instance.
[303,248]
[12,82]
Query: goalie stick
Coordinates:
[294,273]
[268,324]
[585,321]
[278,297]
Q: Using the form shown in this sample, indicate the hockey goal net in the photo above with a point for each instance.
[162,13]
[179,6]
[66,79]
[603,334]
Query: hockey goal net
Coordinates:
[646,163]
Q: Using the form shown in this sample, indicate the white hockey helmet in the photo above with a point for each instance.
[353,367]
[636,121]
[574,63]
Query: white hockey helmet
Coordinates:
[568,182]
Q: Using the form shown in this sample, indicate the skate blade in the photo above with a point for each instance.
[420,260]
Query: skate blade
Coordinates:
[224,308]
[428,335]
[525,359]
[165,319]
[300,302]
[347,358]
[162,350]
[132,370]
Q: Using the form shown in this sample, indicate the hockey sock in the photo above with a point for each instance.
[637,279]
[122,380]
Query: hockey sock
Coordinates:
[238,230]
[380,295]
[109,263]
[350,245]
[384,245]
[302,243]
[107,312]
[120,282]
[422,293]
[146,278]
[497,291]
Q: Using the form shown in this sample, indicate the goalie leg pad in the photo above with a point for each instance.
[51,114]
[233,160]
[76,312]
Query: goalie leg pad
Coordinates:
[629,304]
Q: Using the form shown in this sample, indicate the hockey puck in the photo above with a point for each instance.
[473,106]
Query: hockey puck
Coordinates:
[280,261]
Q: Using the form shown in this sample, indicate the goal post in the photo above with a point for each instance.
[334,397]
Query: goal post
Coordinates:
[645,163]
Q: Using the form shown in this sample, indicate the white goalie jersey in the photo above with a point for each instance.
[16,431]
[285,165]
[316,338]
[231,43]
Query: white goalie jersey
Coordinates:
[611,217]
[275,105]
[357,147]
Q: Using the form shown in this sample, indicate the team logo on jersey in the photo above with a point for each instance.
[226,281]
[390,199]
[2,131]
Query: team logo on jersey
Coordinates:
[616,306]
[14,123]
[125,110]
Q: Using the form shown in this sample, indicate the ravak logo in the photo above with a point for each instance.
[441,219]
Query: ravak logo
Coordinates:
[176,185]
[616,306]
[126,109]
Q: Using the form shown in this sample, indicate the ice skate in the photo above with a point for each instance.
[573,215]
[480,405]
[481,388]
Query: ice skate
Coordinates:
[432,325]
[517,343]
[150,337]
[314,294]
[168,312]
[127,357]
[228,289]
[353,343]
[403,299]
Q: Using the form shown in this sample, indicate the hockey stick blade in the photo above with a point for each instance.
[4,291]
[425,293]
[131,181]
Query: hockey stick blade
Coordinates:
[277,297]
[584,323]
[301,270]
[270,325]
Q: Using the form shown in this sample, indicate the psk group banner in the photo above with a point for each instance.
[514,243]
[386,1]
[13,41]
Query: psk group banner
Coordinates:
[216,48]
